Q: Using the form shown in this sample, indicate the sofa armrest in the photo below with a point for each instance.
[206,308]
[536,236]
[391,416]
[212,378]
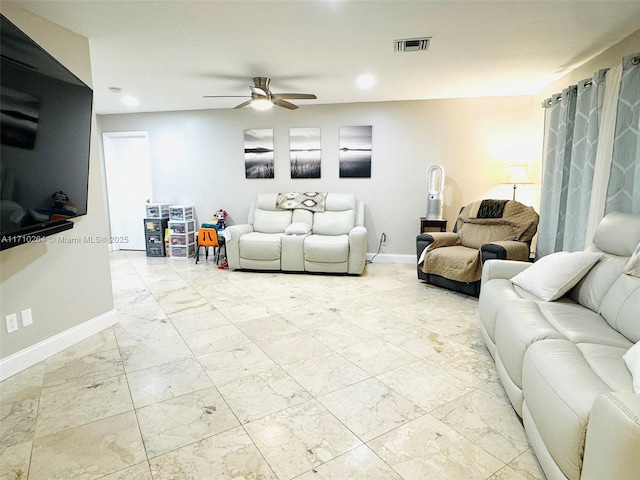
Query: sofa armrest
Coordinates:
[505,269]
[357,249]
[613,438]
[435,240]
[423,241]
[505,250]
[232,245]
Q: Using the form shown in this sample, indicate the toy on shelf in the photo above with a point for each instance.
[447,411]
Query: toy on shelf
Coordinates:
[220,216]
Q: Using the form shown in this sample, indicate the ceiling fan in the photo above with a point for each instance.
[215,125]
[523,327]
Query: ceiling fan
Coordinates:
[263,99]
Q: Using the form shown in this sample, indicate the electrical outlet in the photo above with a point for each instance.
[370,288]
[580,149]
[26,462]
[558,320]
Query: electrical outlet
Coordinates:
[383,239]
[12,322]
[27,317]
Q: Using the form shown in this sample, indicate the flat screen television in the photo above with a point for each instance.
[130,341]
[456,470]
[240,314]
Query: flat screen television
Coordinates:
[46,135]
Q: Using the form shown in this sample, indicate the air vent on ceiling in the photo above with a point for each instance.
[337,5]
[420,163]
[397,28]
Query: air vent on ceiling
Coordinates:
[412,44]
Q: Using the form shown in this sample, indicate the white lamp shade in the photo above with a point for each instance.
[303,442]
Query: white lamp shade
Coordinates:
[518,174]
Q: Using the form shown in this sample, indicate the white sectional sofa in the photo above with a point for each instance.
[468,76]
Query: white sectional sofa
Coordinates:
[325,236]
[561,362]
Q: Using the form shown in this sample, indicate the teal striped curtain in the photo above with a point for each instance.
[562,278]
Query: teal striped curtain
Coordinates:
[583,160]
[623,191]
[571,138]
[555,178]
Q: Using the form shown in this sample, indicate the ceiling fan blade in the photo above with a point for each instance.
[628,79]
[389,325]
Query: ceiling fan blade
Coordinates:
[225,96]
[296,96]
[284,103]
[243,104]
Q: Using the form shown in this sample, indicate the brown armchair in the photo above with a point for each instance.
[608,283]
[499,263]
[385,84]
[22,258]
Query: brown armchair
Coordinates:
[485,229]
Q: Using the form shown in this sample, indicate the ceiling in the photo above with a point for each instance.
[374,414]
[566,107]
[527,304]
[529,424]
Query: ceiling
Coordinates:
[169,54]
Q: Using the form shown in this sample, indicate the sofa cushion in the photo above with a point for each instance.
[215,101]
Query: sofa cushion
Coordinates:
[298,228]
[580,325]
[498,289]
[260,246]
[339,202]
[632,360]
[632,267]
[618,234]
[326,249]
[266,201]
[608,363]
[554,275]
[334,223]
[559,389]
[621,305]
[520,323]
[302,216]
[474,235]
[269,221]
[592,288]
[455,262]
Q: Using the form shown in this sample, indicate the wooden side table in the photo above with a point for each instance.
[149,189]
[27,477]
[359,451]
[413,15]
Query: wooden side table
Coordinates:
[426,224]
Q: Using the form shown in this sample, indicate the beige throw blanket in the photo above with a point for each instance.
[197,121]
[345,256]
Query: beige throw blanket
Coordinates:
[462,261]
[313,201]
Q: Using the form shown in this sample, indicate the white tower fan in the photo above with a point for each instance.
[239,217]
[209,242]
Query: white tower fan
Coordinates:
[435,186]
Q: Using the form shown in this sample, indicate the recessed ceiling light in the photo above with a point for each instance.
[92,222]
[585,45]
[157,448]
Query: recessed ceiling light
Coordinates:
[365,81]
[130,101]
[115,89]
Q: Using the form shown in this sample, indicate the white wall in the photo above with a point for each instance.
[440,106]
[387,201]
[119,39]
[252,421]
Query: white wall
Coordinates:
[197,157]
[65,285]
[607,59]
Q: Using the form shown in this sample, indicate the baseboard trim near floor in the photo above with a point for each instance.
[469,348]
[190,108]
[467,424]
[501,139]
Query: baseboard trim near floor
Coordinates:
[42,350]
[392,258]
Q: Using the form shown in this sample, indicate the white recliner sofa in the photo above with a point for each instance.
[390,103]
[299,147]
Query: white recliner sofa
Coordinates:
[561,362]
[331,239]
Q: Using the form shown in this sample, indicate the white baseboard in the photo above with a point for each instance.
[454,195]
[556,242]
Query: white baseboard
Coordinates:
[41,351]
[392,258]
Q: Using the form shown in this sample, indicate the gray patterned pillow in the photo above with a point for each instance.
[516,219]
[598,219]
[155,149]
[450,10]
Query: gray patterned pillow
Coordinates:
[313,201]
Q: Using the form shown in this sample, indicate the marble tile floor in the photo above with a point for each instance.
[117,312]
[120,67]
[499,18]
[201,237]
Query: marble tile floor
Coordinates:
[217,374]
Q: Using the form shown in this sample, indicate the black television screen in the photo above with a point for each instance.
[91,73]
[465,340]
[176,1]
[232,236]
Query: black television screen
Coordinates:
[45,141]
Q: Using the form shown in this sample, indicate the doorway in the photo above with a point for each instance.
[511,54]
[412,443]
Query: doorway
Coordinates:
[128,177]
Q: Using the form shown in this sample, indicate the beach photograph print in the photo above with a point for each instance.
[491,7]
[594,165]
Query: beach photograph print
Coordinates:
[19,118]
[258,153]
[305,153]
[355,152]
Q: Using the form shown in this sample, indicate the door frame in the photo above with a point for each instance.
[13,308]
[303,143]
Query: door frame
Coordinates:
[107,146]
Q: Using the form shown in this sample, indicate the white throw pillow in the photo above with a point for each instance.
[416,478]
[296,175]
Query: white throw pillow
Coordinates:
[632,359]
[554,275]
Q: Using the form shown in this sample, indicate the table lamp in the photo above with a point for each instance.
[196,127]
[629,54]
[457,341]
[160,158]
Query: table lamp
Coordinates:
[518,176]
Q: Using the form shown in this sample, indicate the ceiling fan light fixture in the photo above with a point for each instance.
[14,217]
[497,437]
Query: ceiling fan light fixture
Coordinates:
[263,99]
[261,104]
